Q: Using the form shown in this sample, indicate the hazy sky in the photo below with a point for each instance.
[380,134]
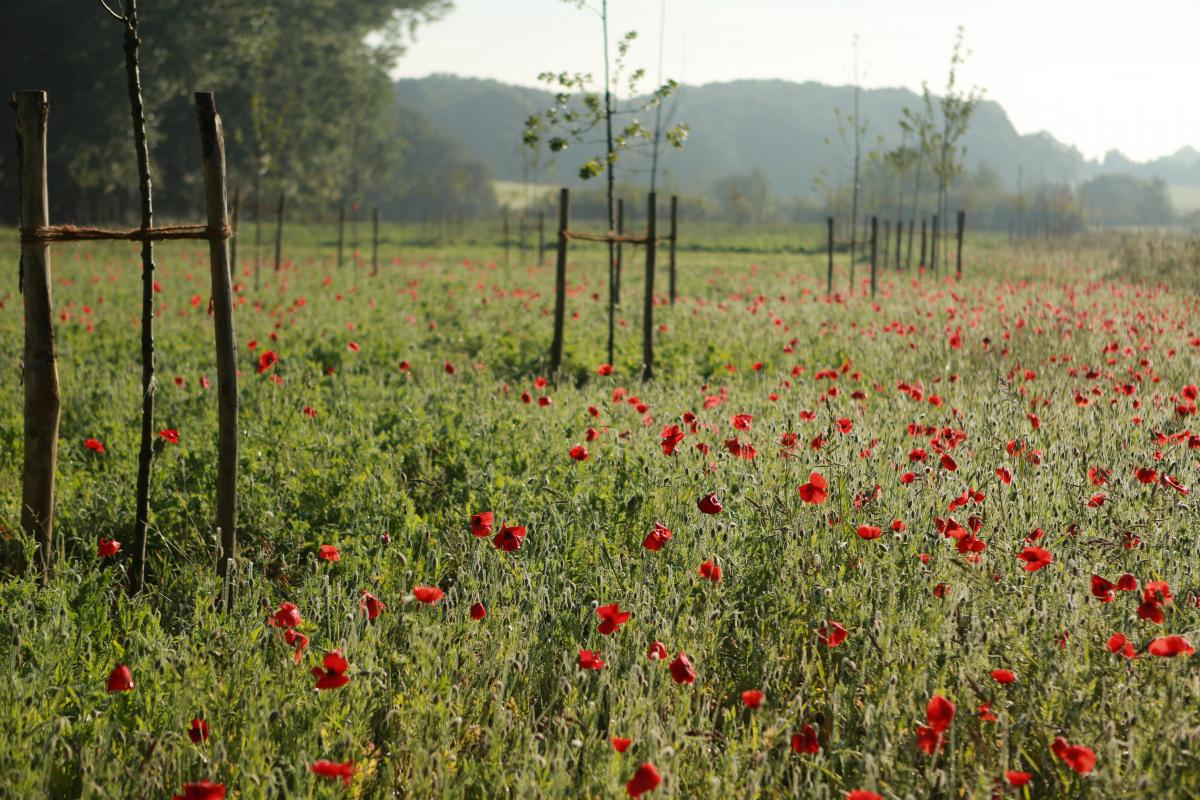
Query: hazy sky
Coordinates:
[1099,74]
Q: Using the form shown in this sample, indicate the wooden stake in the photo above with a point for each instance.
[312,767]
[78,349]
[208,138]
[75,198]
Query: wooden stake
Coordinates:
[829,274]
[887,237]
[560,284]
[279,234]
[674,240]
[42,399]
[933,244]
[648,304]
[962,222]
[212,141]
[921,264]
[899,239]
[874,251]
[908,257]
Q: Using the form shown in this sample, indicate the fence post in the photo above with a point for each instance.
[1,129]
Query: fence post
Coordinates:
[560,283]
[341,233]
[962,221]
[921,263]
[541,238]
[887,237]
[674,239]
[42,399]
[278,231]
[620,262]
[212,141]
[375,241]
[899,240]
[908,258]
[874,251]
[933,244]
[522,223]
[648,305]
[829,274]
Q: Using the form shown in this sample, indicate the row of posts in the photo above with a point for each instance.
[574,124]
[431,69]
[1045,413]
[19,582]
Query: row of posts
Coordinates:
[930,236]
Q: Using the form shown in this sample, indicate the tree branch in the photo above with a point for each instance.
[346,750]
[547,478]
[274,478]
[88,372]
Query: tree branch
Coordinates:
[121,18]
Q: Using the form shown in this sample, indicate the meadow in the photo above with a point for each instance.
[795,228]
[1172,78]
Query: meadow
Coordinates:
[937,511]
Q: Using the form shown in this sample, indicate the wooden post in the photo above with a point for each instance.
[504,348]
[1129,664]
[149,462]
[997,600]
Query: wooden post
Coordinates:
[279,233]
[674,240]
[648,305]
[233,242]
[962,222]
[874,251]
[212,141]
[908,257]
[541,238]
[921,263]
[829,274]
[933,244]
[341,233]
[620,252]
[42,399]
[899,240]
[521,224]
[375,241]
[560,283]
[887,237]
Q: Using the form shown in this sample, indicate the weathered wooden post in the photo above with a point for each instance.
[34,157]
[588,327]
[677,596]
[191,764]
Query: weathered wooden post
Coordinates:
[874,251]
[375,241]
[908,257]
[933,244]
[921,263]
[521,224]
[233,242]
[829,274]
[212,141]
[887,237]
[620,252]
[541,238]
[674,240]
[341,233]
[560,283]
[899,239]
[278,232]
[962,222]
[42,399]
[648,304]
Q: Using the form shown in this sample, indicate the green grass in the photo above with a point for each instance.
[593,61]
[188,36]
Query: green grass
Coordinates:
[442,706]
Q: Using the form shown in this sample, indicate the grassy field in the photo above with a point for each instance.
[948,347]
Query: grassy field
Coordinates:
[987,447]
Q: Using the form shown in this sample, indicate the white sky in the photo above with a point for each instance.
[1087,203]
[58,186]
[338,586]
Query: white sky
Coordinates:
[1098,74]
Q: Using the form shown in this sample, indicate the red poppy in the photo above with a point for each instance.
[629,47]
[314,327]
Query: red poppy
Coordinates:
[330,769]
[908,477]
[1003,676]
[682,670]
[481,523]
[1145,475]
[1168,646]
[427,594]
[869,532]
[1118,643]
[656,538]
[448,368]
[1103,589]
[95,445]
[672,435]
[928,740]
[752,698]
[286,616]
[657,651]
[334,673]
[371,605]
[1005,475]
[579,453]
[1078,757]
[170,434]
[1096,500]
[1098,475]
[203,790]
[612,618]
[710,570]
[509,538]
[806,740]
[985,713]
[106,548]
[948,462]
[590,660]
[1127,583]
[816,491]
[645,779]
[619,744]
[478,611]
[267,360]
[120,679]
[604,369]
[939,713]
[742,421]
[293,636]
[709,504]
[353,347]
[1016,778]
[198,732]
[328,552]
[1035,558]
[831,633]
[862,794]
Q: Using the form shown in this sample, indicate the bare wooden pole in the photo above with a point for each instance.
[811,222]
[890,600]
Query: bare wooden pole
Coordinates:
[42,399]
[887,234]
[212,142]
[279,234]
[375,241]
[874,252]
[829,273]
[962,223]
[933,244]
[921,263]
[133,81]
[648,304]
[899,241]
[560,283]
[908,256]
[341,233]
[674,240]
[620,263]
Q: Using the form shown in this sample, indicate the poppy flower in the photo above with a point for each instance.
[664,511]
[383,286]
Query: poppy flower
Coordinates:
[1145,475]
[509,538]
[1035,558]
[709,504]
[478,612]
[95,445]
[286,616]
[1118,643]
[333,674]
[481,523]
[672,435]
[371,605]
[448,368]
[710,570]
[328,552]
[657,651]
[120,679]
[1168,646]
[580,453]
[645,779]
[752,698]
[1127,583]
[928,740]
[656,538]
[604,369]
[333,770]
[612,618]
[831,633]
[353,347]
[939,713]
[1016,778]
[427,594]
[198,732]
[806,740]
[1096,500]
[682,670]
[590,660]
[1003,676]
[293,636]
[1005,475]
[619,744]
[862,794]
[742,421]
[985,713]
[203,790]
[1103,589]
[1078,757]
[869,532]
[107,548]
[816,491]
[267,360]
[170,434]
[1098,475]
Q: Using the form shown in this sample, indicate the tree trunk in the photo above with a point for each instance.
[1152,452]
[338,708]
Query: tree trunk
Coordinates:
[560,284]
